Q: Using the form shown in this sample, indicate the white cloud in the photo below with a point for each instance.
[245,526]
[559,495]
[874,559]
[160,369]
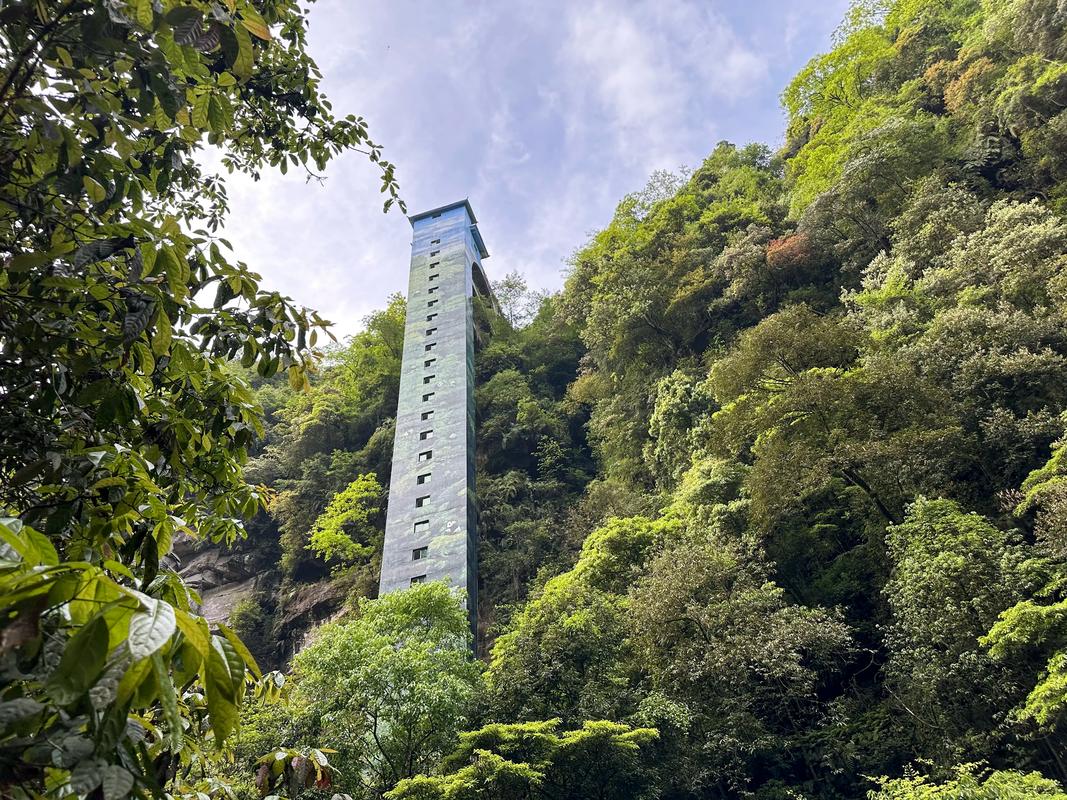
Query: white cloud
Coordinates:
[505,150]
[543,112]
[652,65]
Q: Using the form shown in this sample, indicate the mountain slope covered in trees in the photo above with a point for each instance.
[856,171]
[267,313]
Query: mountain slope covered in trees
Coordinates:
[778,476]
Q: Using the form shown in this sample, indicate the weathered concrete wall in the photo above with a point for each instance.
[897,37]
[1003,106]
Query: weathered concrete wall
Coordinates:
[431,523]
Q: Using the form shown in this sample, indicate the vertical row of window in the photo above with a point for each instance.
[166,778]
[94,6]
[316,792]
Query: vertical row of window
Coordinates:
[422,527]
[434,288]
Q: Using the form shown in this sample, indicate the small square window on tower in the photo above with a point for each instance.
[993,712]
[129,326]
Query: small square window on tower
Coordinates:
[423,478]
[434,253]
[431,345]
[418,579]
[431,303]
[434,264]
[425,456]
[435,241]
[424,435]
[429,362]
[427,415]
[431,317]
[428,378]
[421,502]
[435,276]
[432,289]
[426,398]
[422,526]
[419,553]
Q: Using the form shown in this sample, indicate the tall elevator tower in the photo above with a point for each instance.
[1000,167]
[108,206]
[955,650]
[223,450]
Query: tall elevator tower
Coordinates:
[431,529]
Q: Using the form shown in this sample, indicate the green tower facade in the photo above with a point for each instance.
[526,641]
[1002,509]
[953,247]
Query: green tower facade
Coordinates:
[431,530]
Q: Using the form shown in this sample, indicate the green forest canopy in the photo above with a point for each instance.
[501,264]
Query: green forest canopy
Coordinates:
[773,492]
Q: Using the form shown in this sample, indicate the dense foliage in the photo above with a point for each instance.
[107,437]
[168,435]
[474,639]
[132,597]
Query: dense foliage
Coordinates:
[124,424]
[387,691]
[529,761]
[830,382]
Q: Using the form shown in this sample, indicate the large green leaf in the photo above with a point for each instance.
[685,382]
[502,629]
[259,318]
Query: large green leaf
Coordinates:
[34,547]
[234,663]
[95,251]
[185,22]
[222,697]
[195,630]
[254,22]
[240,648]
[219,113]
[116,781]
[87,775]
[162,335]
[168,698]
[132,680]
[14,711]
[150,629]
[242,62]
[81,664]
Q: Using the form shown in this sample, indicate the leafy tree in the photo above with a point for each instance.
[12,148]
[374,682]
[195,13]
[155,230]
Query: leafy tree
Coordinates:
[342,426]
[853,216]
[566,653]
[1031,636]
[344,531]
[676,425]
[794,402]
[980,320]
[123,422]
[936,213]
[538,760]
[735,668]
[1015,258]
[1044,495]
[389,690]
[971,783]
[1029,626]
[533,459]
[642,289]
[518,302]
[953,574]
[514,422]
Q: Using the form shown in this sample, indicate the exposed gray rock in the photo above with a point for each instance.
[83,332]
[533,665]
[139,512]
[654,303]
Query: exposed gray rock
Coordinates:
[222,576]
[219,602]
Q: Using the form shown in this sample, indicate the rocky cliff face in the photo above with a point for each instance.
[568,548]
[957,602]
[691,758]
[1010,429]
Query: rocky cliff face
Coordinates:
[242,586]
[222,577]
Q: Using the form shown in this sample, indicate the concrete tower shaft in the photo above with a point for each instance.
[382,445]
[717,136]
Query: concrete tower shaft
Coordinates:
[431,530]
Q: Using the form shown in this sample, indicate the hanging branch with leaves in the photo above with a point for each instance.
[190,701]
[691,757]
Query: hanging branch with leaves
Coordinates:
[122,424]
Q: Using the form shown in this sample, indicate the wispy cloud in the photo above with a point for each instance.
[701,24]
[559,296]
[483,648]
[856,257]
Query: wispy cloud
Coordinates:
[543,113]
[656,67]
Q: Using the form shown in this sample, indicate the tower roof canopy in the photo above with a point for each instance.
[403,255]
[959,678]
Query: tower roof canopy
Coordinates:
[464,203]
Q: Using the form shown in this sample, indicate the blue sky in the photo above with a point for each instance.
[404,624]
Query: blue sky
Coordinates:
[543,113]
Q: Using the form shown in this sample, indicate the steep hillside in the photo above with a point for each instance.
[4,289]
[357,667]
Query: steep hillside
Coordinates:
[775,486]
